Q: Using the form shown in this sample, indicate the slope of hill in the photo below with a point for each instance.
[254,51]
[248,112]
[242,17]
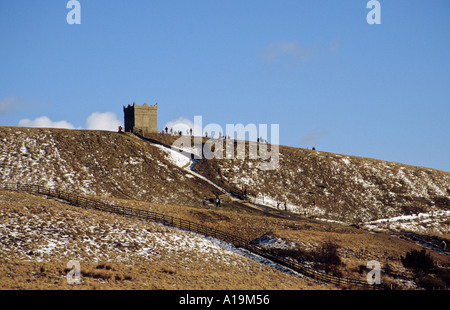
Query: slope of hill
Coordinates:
[96,163]
[133,172]
[38,237]
[340,187]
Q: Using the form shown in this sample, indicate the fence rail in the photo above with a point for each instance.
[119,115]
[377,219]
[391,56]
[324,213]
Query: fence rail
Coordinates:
[150,216]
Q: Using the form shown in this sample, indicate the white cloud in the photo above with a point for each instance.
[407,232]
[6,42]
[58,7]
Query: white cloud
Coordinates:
[13,104]
[96,121]
[286,49]
[103,121]
[335,45]
[45,122]
[9,105]
[293,53]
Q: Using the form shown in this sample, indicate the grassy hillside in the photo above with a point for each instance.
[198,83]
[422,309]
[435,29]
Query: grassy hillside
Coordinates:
[340,187]
[38,236]
[96,163]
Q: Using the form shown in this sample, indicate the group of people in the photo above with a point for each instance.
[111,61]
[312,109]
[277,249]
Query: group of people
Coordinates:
[261,140]
[220,136]
[189,132]
[176,132]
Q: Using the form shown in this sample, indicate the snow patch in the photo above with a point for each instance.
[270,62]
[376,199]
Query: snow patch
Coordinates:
[175,157]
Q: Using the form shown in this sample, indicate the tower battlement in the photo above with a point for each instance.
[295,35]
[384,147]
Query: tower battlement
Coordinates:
[141,119]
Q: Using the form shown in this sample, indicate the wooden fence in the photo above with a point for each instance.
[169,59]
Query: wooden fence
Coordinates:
[150,216]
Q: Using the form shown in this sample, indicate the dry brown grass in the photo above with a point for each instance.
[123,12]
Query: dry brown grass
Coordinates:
[125,268]
[356,246]
[100,163]
[177,260]
[334,186]
[103,164]
[346,188]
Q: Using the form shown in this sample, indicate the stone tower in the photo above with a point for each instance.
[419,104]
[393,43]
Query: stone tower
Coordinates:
[141,119]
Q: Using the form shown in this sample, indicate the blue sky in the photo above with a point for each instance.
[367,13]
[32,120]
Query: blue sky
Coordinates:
[316,68]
